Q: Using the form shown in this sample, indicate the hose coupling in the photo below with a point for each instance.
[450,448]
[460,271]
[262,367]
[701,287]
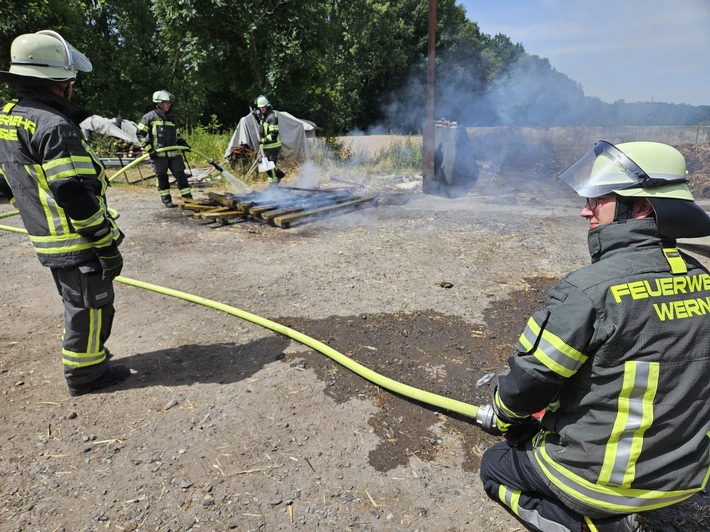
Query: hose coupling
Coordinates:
[486,418]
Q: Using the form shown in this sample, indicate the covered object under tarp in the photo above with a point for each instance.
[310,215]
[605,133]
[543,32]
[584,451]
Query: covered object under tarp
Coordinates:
[294,132]
[119,128]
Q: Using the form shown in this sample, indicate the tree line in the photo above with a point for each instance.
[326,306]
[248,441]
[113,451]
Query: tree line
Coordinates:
[345,64]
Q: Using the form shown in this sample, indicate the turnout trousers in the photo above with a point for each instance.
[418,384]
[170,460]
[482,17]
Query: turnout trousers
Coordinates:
[161,165]
[88,317]
[276,174]
[511,480]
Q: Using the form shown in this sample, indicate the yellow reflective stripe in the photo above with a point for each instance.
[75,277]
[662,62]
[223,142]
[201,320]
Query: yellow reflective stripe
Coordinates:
[57,166]
[509,497]
[110,237]
[95,320]
[592,527]
[53,244]
[531,327]
[53,214]
[551,351]
[503,408]
[9,105]
[80,360]
[96,163]
[675,261]
[96,219]
[633,418]
[93,354]
[614,498]
[68,167]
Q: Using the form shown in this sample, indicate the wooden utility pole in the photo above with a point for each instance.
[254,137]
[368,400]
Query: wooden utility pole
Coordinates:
[428,186]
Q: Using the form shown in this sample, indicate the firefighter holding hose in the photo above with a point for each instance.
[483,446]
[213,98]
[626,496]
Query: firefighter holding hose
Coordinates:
[618,359]
[59,186]
[159,129]
[269,137]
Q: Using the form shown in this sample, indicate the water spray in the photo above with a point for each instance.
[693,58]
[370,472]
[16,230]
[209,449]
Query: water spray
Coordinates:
[230,178]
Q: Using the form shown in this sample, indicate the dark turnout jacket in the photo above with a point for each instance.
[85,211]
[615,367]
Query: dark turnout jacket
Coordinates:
[58,182]
[620,358]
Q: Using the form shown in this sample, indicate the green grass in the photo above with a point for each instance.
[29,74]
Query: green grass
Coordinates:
[330,156]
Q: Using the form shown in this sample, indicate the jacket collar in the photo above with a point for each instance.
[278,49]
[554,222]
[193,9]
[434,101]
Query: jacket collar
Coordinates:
[75,113]
[608,239]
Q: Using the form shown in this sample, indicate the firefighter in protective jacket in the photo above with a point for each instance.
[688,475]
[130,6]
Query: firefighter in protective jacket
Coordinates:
[269,137]
[618,359]
[59,186]
[159,129]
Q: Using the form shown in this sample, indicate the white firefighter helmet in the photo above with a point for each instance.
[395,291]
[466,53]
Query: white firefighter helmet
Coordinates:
[162,96]
[650,170]
[44,55]
[262,101]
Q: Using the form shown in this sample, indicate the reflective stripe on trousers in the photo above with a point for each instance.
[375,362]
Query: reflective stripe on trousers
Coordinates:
[510,479]
[88,317]
[177,168]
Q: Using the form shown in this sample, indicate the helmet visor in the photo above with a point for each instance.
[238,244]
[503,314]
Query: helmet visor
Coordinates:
[602,170]
[77,62]
[605,169]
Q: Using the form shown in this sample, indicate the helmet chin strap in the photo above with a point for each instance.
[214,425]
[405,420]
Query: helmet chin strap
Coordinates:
[624,210]
[67,89]
[61,88]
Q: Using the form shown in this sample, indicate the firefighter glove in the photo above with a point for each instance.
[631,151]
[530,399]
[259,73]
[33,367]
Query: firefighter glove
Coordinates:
[99,234]
[111,261]
[519,434]
[183,142]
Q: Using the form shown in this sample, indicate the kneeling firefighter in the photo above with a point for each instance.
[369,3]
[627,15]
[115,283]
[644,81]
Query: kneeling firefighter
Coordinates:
[617,359]
[159,129]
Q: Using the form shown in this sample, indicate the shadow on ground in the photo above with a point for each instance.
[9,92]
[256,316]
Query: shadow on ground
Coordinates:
[446,356]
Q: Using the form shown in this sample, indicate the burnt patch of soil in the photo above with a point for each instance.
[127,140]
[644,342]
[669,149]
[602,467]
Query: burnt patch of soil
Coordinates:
[430,351]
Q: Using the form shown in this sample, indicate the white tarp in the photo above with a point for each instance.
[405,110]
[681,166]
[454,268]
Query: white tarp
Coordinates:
[294,132]
[119,128]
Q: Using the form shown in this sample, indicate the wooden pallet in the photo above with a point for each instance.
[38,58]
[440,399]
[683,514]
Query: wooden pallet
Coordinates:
[284,208]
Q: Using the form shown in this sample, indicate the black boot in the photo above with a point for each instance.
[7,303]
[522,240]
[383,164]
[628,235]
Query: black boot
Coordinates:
[168,202]
[114,374]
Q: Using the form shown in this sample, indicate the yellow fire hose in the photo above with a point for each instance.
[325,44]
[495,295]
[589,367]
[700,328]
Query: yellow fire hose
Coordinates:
[8,214]
[405,390]
[231,178]
[382,381]
[143,158]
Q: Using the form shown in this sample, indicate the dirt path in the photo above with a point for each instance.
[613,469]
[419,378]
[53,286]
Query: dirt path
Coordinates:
[227,425]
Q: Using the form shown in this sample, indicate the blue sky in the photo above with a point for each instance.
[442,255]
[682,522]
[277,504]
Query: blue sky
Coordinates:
[632,50]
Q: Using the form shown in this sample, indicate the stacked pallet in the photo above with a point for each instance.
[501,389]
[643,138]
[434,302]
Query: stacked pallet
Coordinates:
[282,207]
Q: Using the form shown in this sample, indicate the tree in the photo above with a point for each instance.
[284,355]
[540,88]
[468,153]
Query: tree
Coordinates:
[346,64]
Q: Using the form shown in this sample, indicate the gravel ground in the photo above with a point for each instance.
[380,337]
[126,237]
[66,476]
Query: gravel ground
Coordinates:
[226,424]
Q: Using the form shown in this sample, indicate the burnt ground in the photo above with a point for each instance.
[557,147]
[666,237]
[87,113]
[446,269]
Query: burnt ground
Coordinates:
[405,344]
[228,425]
